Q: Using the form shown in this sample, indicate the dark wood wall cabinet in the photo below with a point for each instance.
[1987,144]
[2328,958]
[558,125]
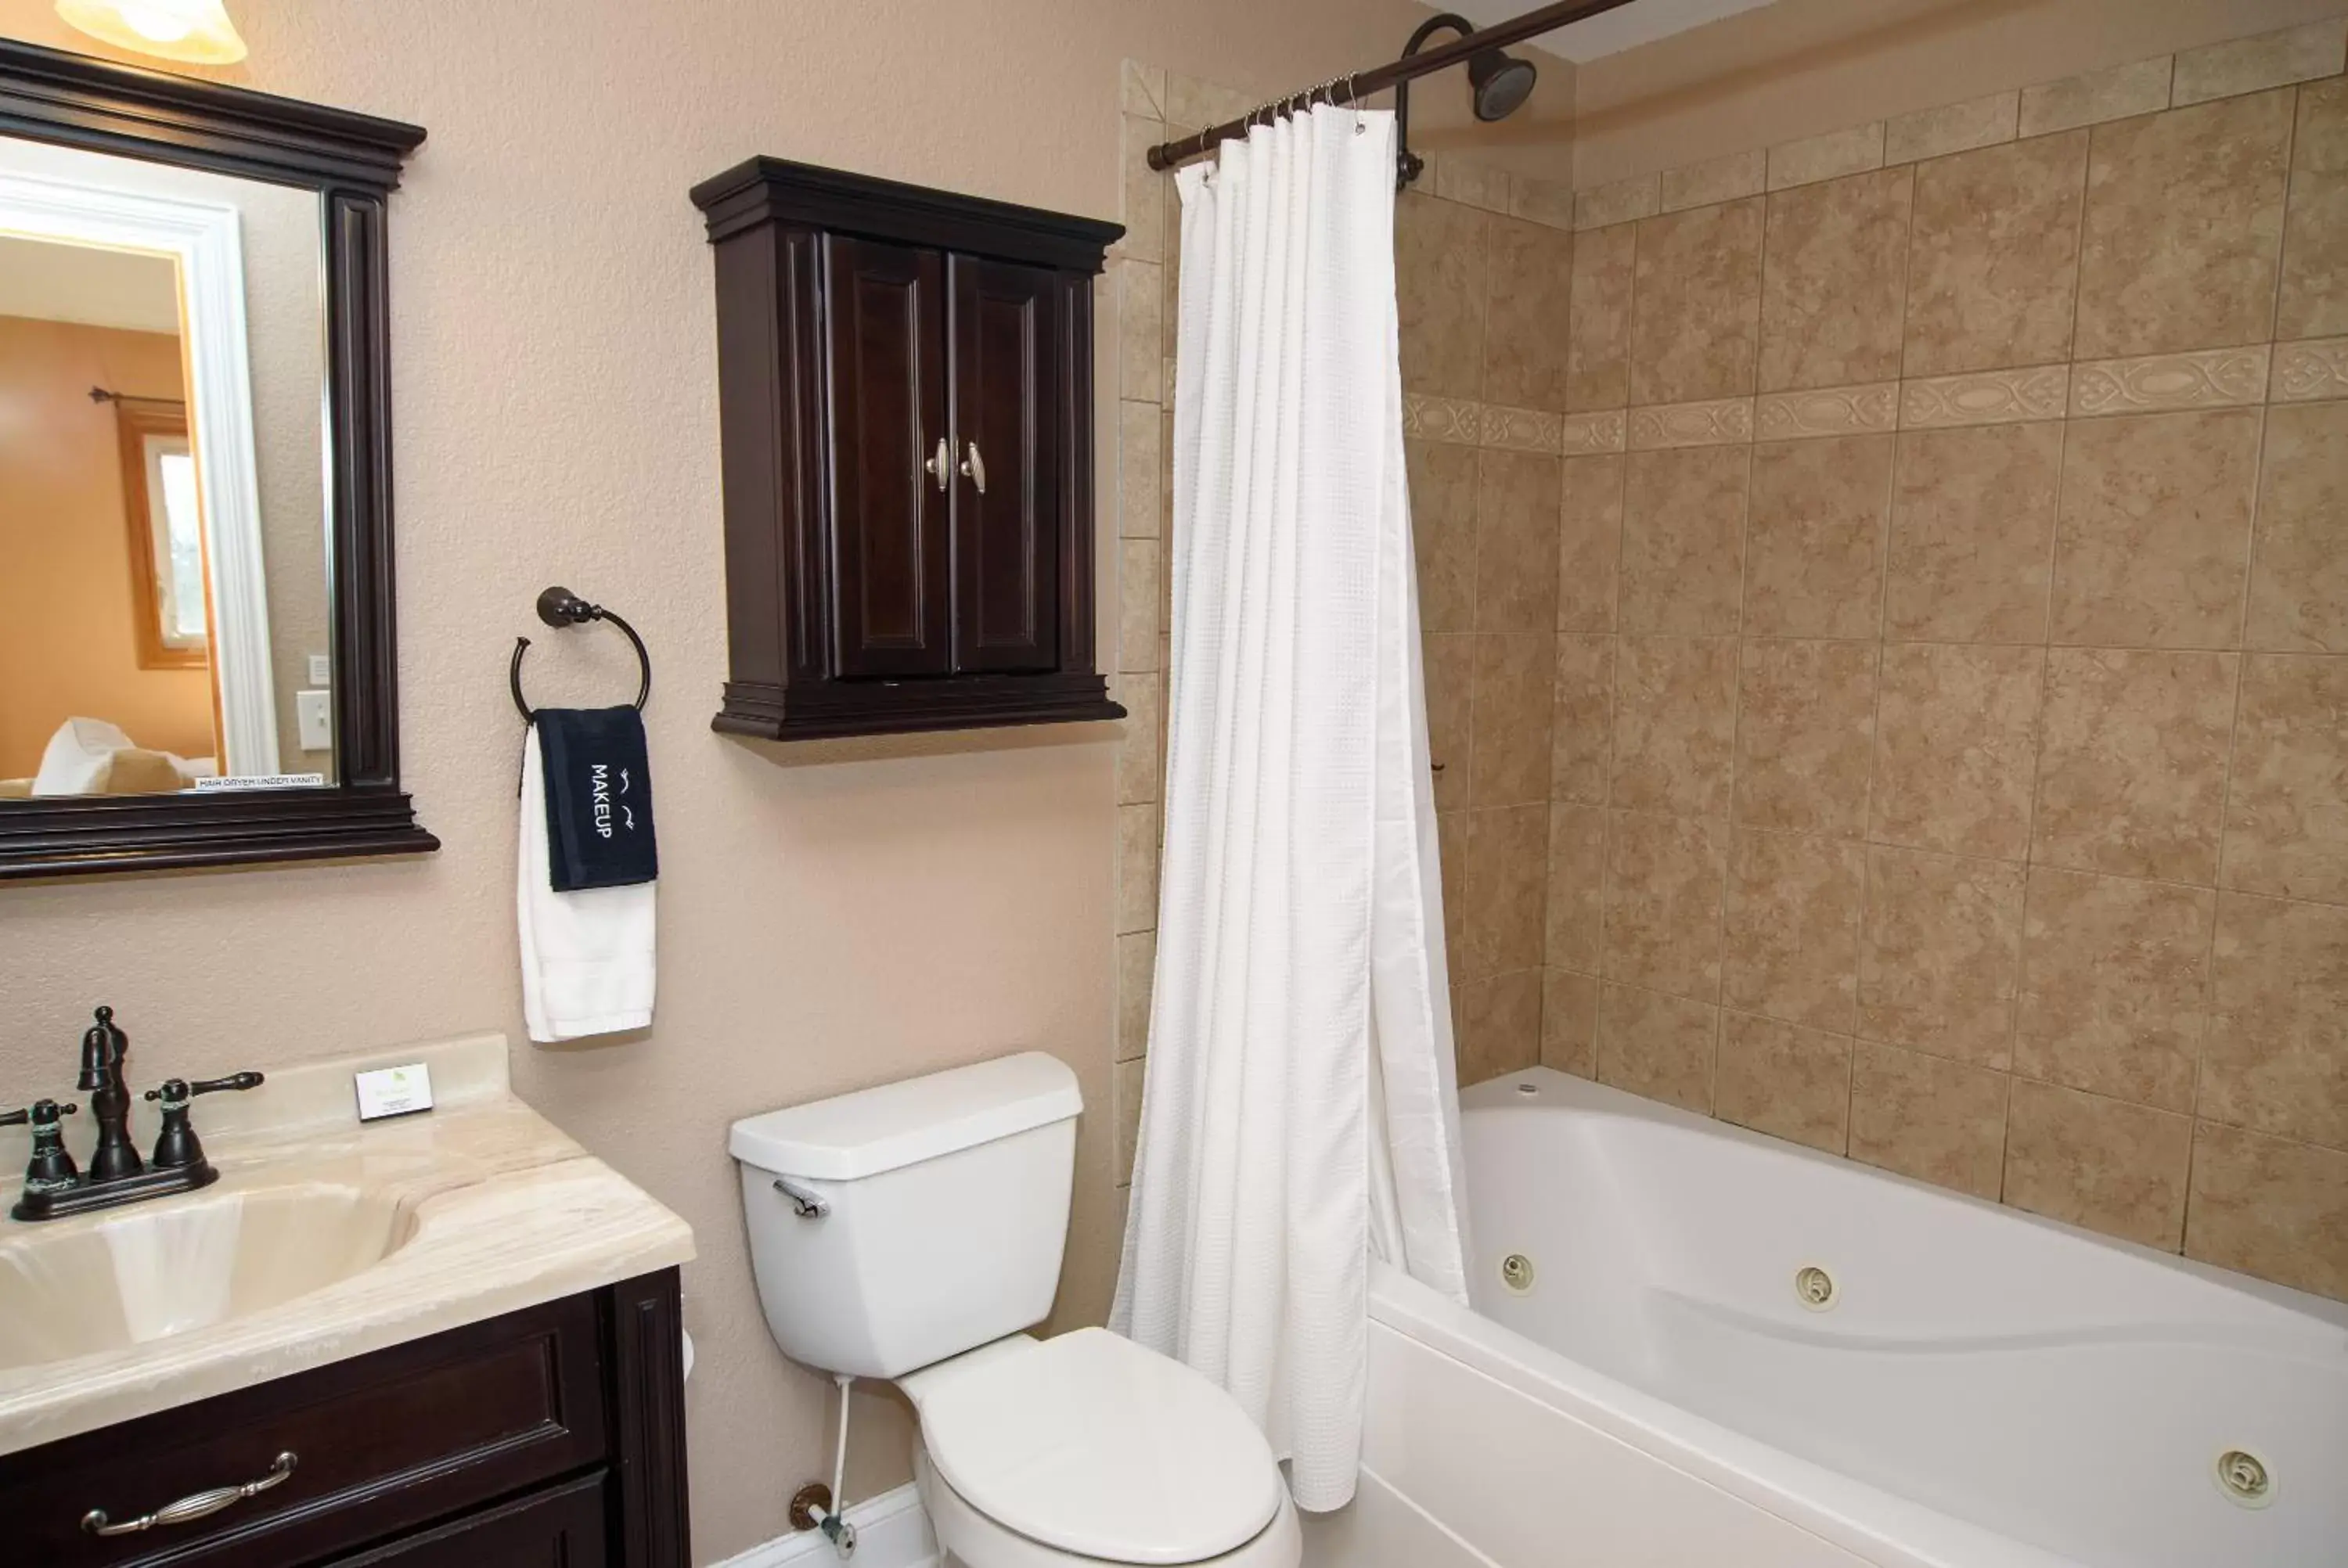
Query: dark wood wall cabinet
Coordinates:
[906,392]
[552,1436]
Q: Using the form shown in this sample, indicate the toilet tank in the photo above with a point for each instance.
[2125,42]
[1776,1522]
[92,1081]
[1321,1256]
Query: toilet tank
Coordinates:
[941,1212]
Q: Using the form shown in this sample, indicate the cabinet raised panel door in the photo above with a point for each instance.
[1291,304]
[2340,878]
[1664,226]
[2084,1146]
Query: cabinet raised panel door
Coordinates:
[1009,340]
[891,481]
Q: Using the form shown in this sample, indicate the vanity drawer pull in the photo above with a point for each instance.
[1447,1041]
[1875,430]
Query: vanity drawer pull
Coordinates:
[197,1505]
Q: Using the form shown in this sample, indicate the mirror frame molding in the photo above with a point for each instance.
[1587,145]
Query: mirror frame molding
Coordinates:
[353,162]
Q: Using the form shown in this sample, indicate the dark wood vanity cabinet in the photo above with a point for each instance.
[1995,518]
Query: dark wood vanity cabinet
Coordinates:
[906,392]
[548,1438]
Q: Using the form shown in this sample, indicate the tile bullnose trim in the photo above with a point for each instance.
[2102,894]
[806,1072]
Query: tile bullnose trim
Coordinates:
[2212,378]
[1985,397]
[1721,422]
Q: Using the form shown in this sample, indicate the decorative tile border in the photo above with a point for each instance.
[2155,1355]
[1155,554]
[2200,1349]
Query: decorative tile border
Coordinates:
[1827,410]
[1452,419]
[2215,379]
[1585,434]
[2309,369]
[1519,429]
[1984,397]
[1717,424]
[1828,157]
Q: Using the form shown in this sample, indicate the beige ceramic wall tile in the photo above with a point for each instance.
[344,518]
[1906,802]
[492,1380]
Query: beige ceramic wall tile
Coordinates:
[1443,482]
[1696,305]
[1956,741]
[2274,1209]
[1569,1022]
[1814,537]
[1516,679]
[1577,887]
[1658,1046]
[2213,378]
[1724,422]
[2268,60]
[2112,1167]
[1683,540]
[1939,958]
[1951,127]
[1141,464]
[2132,771]
[1607,205]
[1598,350]
[1137,967]
[1140,291]
[1590,543]
[1500,1026]
[2184,224]
[1834,281]
[1141,90]
[2299,570]
[1581,728]
[2114,986]
[1517,508]
[2276,1057]
[1984,397]
[1451,849]
[1827,411]
[1724,179]
[2287,808]
[1461,179]
[1137,868]
[1506,892]
[1826,157]
[2138,88]
[1804,736]
[1663,883]
[2315,238]
[1442,268]
[1141,589]
[1527,325]
[1674,724]
[1139,766]
[1790,941]
[1994,261]
[1937,1120]
[1191,102]
[1144,209]
[1789,1082]
[2153,540]
[1540,200]
[1450,673]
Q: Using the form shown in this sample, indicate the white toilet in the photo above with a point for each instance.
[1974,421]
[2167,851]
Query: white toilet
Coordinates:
[909,1232]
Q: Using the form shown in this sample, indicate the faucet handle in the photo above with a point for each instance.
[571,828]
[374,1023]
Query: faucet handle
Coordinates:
[175,1092]
[39,1114]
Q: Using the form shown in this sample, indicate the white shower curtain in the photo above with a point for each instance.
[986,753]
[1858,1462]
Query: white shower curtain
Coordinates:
[1301,1110]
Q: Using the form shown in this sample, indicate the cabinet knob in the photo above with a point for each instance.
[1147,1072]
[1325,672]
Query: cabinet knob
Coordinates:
[936,466]
[973,468]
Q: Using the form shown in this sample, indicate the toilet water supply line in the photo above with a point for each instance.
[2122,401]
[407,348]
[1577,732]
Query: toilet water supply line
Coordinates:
[834,1523]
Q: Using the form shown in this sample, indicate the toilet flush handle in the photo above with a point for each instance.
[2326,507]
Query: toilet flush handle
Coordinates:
[808,1206]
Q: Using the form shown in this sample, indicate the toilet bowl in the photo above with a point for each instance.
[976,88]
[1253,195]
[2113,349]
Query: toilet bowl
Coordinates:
[911,1233]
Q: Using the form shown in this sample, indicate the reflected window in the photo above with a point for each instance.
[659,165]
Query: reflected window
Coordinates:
[167,533]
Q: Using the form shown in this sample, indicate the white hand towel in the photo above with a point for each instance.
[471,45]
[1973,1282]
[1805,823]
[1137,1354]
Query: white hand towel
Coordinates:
[587,956]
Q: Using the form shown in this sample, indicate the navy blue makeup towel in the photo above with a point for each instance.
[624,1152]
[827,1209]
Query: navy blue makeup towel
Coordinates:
[599,798]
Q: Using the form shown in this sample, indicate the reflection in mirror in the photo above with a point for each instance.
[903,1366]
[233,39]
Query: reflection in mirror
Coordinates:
[165,621]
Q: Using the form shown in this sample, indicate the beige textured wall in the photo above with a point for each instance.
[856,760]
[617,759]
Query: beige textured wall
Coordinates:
[1799,68]
[832,917]
[1948,762]
[68,622]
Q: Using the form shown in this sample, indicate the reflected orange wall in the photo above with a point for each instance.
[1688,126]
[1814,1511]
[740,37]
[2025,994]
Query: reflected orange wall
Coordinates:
[68,646]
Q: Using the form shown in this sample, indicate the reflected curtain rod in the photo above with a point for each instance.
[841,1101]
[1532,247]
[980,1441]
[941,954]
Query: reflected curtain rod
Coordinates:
[1359,85]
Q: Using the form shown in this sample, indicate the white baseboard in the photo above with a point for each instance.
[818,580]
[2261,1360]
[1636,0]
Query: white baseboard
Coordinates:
[893,1530]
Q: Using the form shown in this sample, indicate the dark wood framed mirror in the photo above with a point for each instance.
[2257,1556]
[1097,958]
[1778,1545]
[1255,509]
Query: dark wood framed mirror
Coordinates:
[279,506]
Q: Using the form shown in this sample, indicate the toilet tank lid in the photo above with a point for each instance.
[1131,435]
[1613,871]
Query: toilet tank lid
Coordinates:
[895,1124]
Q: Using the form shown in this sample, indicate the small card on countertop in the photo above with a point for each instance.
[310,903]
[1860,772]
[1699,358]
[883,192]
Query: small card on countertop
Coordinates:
[394,1092]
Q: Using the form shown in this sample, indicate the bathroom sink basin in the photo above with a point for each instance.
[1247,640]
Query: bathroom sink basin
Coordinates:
[182,1263]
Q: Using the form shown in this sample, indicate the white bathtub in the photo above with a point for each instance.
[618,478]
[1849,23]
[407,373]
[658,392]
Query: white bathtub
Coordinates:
[1986,1389]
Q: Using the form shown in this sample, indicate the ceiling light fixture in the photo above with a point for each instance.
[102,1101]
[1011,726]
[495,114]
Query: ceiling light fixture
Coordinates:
[197,31]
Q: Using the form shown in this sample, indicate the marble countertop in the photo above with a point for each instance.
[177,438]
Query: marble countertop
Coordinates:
[489,1206]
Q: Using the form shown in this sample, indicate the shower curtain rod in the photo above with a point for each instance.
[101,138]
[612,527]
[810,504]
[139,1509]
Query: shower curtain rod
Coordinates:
[1359,85]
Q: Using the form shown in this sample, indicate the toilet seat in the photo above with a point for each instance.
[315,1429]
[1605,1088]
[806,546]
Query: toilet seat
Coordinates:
[1090,1449]
[971,1540]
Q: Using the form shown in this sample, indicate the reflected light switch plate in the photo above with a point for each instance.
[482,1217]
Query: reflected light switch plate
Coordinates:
[314,711]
